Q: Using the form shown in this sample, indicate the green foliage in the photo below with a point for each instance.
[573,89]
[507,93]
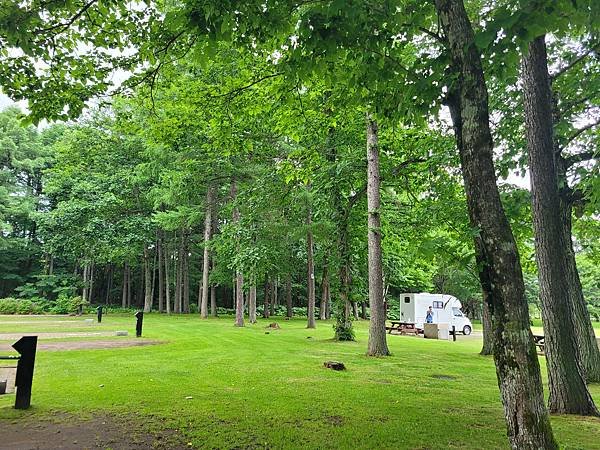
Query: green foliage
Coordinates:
[19,306]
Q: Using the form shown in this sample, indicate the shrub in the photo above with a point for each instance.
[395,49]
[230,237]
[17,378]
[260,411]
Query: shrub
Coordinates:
[19,306]
[67,305]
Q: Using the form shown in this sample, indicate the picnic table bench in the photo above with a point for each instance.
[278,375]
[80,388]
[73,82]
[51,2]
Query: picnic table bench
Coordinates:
[402,327]
[538,339]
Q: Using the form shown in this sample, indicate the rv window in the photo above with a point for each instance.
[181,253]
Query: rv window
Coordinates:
[457,312]
[406,299]
[438,305]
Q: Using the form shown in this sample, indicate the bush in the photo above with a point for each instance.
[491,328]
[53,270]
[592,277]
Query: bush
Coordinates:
[68,305]
[19,306]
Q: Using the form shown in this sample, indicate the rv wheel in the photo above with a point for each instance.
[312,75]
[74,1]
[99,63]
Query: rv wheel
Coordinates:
[466,330]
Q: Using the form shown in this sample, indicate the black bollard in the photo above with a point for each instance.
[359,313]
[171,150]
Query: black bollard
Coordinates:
[453,333]
[138,326]
[26,346]
[99,308]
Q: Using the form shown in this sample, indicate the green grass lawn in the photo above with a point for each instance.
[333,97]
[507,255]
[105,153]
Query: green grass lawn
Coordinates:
[255,390]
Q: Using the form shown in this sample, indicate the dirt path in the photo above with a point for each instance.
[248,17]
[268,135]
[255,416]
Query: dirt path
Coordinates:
[85,345]
[52,335]
[100,431]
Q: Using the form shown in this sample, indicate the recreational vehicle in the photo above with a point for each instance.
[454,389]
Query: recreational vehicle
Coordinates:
[446,309]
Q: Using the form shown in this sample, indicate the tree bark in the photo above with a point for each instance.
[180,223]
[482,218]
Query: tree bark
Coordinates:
[310,265]
[288,297]
[239,280]
[566,379]
[252,301]
[517,366]
[124,288]
[377,336]
[589,353]
[324,292]
[488,333]
[203,306]
[266,299]
[167,256]
[186,273]
[147,282]
[161,275]
[213,293]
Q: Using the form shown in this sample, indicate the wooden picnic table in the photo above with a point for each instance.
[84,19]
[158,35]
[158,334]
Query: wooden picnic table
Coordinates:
[402,327]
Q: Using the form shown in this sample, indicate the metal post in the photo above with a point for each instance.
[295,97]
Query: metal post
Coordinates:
[453,333]
[99,308]
[26,346]
[138,326]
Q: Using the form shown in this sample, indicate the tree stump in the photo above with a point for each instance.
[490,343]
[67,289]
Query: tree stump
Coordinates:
[335,365]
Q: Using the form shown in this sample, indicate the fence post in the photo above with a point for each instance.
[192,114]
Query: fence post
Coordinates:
[26,346]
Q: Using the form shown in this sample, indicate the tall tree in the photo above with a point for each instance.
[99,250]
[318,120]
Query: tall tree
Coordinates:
[517,366]
[377,335]
[568,391]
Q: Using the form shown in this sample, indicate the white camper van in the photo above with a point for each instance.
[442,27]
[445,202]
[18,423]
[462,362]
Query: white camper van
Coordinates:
[446,309]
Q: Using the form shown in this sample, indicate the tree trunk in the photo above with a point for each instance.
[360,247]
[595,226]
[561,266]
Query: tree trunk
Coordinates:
[288,297]
[109,283]
[566,379]
[377,336]
[208,220]
[91,280]
[310,263]
[84,291]
[517,366]
[129,286]
[161,275]
[186,274]
[324,292]
[166,257]
[589,353]
[266,299]
[124,290]
[147,282]
[213,293]
[488,333]
[252,301]
[239,280]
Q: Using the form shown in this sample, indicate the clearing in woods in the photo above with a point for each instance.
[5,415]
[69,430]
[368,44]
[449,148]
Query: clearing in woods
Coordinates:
[208,384]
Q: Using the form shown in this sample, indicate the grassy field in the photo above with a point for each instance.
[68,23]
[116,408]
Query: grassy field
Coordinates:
[250,389]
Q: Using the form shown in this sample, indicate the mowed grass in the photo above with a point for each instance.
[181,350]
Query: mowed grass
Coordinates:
[250,389]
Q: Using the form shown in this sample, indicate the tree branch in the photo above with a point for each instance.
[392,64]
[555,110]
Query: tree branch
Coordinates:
[573,63]
[578,132]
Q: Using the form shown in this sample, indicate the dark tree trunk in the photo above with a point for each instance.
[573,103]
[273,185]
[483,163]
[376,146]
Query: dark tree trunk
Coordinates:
[377,336]
[125,282]
[517,366]
[288,297]
[566,379]
[147,282]
[167,256]
[589,353]
[161,275]
[186,274]
[252,301]
[266,299]
[324,292]
[208,220]
[488,333]
[363,310]
[109,282]
[129,286]
[178,281]
[310,310]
